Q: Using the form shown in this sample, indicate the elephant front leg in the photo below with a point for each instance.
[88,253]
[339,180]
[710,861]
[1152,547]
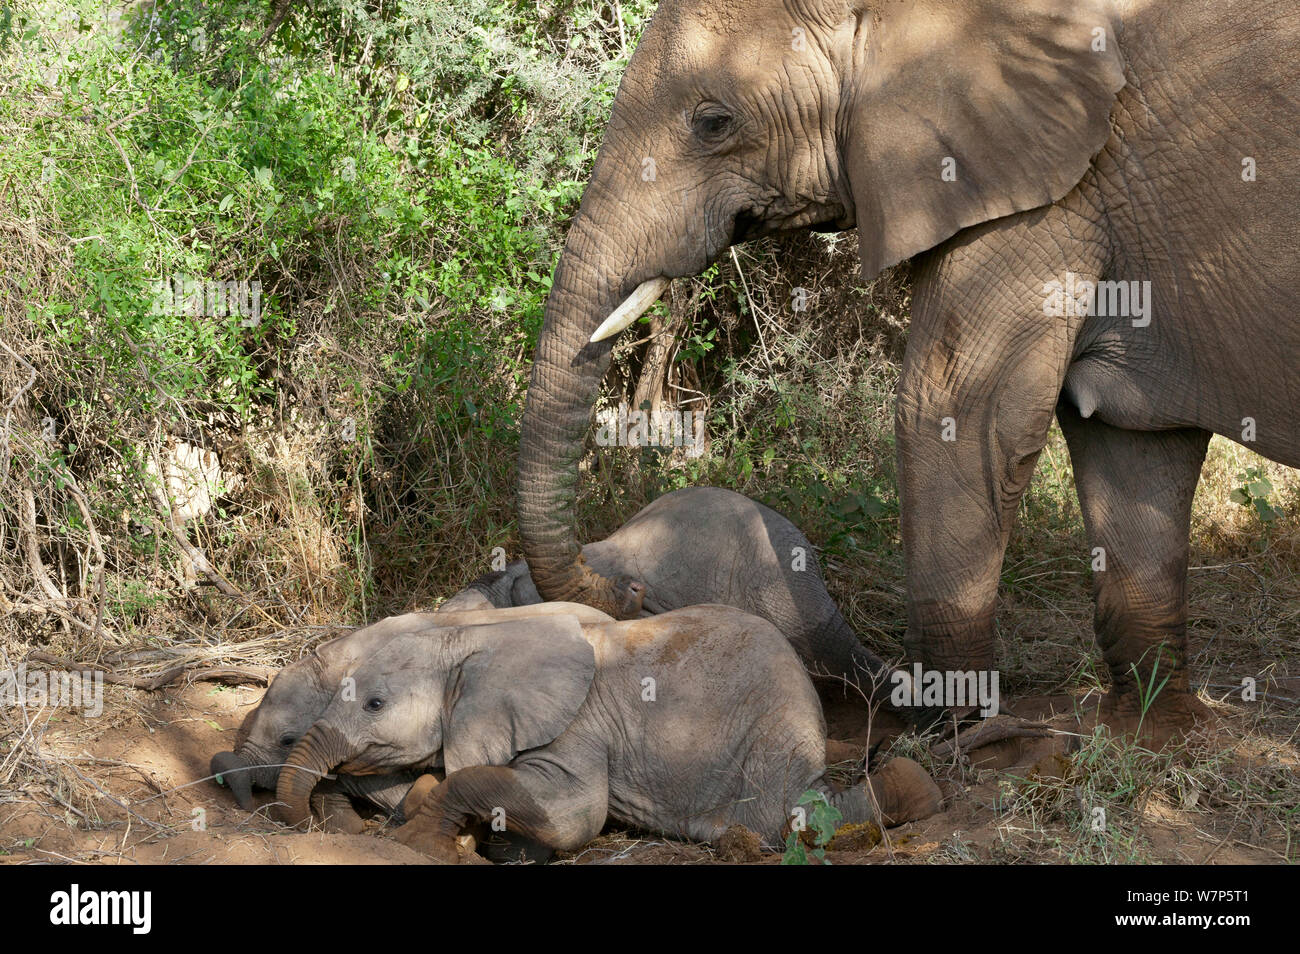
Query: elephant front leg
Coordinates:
[983,370]
[507,799]
[335,811]
[1135,490]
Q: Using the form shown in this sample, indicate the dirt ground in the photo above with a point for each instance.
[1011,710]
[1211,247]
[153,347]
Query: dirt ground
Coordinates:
[131,787]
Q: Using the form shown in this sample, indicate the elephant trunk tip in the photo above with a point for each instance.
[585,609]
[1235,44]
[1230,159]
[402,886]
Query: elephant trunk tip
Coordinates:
[621,598]
[229,769]
[573,581]
[631,598]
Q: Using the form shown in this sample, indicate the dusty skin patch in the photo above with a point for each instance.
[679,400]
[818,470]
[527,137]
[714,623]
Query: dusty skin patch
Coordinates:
[671,645]
[128,788]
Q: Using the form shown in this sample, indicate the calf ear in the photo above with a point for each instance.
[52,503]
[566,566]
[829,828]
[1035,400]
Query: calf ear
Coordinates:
[468,600]
[518,685]
[961,112]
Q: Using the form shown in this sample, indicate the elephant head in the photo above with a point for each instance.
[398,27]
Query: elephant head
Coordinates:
[293,701]
[302,691]
[911,120]
[455,696]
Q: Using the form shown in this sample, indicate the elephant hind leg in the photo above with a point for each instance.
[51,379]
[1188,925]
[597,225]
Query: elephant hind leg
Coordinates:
[903,791]
[1135,490]
[899,792]
[508,799]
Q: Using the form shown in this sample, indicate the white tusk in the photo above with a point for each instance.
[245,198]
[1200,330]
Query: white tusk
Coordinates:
[646,294]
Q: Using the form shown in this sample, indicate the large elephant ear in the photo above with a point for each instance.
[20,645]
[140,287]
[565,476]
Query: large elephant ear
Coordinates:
[518,686]
[963,112]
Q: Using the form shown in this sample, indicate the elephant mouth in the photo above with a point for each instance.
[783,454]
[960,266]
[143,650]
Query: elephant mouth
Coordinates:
[361,766]
[747,225]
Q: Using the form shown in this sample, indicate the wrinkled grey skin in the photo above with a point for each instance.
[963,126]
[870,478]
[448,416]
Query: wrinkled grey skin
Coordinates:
[1120,161]
[300,692]
[711,545]
[683,723]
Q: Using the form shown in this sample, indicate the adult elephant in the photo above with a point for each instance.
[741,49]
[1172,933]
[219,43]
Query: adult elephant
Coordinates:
[1018,149]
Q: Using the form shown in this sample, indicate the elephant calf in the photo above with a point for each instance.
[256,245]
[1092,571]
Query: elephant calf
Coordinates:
[683,723]
[711,545]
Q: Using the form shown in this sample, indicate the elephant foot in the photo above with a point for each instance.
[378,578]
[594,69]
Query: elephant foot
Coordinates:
[417,794]
[423,834]
[336,813]
[904,792]
[441,849]
[1172,718]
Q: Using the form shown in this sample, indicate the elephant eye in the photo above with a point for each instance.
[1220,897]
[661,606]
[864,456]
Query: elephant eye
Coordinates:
[711,122]
[374,704]
[288,740]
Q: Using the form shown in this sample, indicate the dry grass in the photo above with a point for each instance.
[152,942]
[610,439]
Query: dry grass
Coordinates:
[1113,802]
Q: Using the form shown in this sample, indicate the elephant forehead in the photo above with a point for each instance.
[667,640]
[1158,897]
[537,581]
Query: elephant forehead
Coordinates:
[728,19]
[723,18]
[696,46]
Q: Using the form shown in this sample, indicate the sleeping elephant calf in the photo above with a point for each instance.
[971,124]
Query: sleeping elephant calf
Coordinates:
[711,545]
[684,723]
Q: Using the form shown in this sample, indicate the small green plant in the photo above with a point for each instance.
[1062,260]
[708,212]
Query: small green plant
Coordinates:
[821,820]
[1148,693]
[1254,491]
[696,345]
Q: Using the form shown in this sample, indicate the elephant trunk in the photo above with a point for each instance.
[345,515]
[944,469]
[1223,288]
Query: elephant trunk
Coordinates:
[232,770]
[567,371]
[316,753]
